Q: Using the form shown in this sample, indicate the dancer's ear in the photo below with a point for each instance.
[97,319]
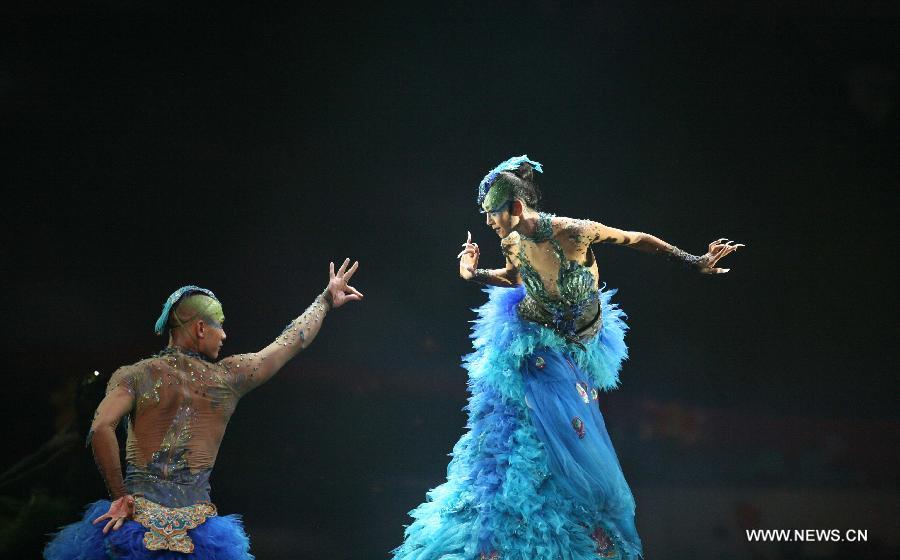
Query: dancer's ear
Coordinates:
[516,208]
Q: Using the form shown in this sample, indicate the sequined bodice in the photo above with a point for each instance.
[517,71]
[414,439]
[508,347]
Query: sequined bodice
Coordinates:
[572,308]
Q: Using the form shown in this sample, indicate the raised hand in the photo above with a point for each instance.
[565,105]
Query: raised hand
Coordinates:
[338,291]
[717,249]
[119,511]
[468,258]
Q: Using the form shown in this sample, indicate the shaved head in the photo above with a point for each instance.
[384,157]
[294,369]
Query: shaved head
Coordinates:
[197,306]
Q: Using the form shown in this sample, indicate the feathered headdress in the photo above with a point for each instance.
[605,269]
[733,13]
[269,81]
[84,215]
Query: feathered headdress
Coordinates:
[173,299]
[509,165]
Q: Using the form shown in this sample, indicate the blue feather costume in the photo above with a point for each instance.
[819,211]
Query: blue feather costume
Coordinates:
[535,476]
[219,538]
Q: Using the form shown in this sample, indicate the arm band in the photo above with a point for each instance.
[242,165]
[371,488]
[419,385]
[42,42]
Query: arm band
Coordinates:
[686,259]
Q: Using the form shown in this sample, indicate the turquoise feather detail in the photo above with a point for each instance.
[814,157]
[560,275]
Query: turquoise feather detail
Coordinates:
[511,164]
[502,340]
[500,495]
[173,299]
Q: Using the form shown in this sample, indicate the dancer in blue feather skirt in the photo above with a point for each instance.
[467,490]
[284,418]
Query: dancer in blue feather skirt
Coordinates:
[536,476]
[177,404]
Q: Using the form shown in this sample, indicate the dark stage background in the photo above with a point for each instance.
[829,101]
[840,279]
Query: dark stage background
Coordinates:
[151,145]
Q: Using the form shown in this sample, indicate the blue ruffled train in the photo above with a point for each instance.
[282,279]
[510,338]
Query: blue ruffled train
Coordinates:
[536,476]
[219,538]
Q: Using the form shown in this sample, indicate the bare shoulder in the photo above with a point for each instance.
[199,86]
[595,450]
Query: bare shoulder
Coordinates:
[565,224]
[137,368]
[509,245]
[511,240]
[153,362]
[132,377]
[239,372]
[235,361]
[571,228]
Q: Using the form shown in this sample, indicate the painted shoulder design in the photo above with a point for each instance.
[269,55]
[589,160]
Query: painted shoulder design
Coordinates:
[511,239]
[510,244]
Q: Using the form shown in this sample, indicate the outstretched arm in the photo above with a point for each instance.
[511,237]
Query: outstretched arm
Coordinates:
[591,232]
[251,370]
[468,266]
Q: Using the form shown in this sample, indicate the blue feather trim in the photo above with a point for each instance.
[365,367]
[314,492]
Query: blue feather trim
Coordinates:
[502,340]
[499,494]
[219,538]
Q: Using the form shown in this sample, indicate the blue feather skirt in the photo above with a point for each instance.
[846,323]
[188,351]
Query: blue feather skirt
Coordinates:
[535,477]
[219,538]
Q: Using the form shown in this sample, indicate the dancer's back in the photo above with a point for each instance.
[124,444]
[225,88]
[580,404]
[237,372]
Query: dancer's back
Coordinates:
[182,405]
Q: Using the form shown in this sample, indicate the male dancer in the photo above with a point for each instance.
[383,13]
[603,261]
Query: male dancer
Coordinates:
[178,404]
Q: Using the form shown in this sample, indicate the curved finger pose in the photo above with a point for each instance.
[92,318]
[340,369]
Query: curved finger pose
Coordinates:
[536,476]
[177,404]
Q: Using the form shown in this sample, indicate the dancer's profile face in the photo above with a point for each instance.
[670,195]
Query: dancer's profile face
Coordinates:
[210,337]
[501,221]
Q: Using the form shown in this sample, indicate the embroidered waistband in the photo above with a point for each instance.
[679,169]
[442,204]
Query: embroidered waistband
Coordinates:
[168,527]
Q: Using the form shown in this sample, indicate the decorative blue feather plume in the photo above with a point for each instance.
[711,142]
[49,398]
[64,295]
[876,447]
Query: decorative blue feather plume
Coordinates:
[508,165]
[173,299]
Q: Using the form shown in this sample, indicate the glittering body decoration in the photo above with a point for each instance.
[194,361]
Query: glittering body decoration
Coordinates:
[182,403]
[168,527]
[570,305]
[684,258]
[182,407]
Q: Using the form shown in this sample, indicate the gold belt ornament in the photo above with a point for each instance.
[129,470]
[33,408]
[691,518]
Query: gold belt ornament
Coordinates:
[168,527]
